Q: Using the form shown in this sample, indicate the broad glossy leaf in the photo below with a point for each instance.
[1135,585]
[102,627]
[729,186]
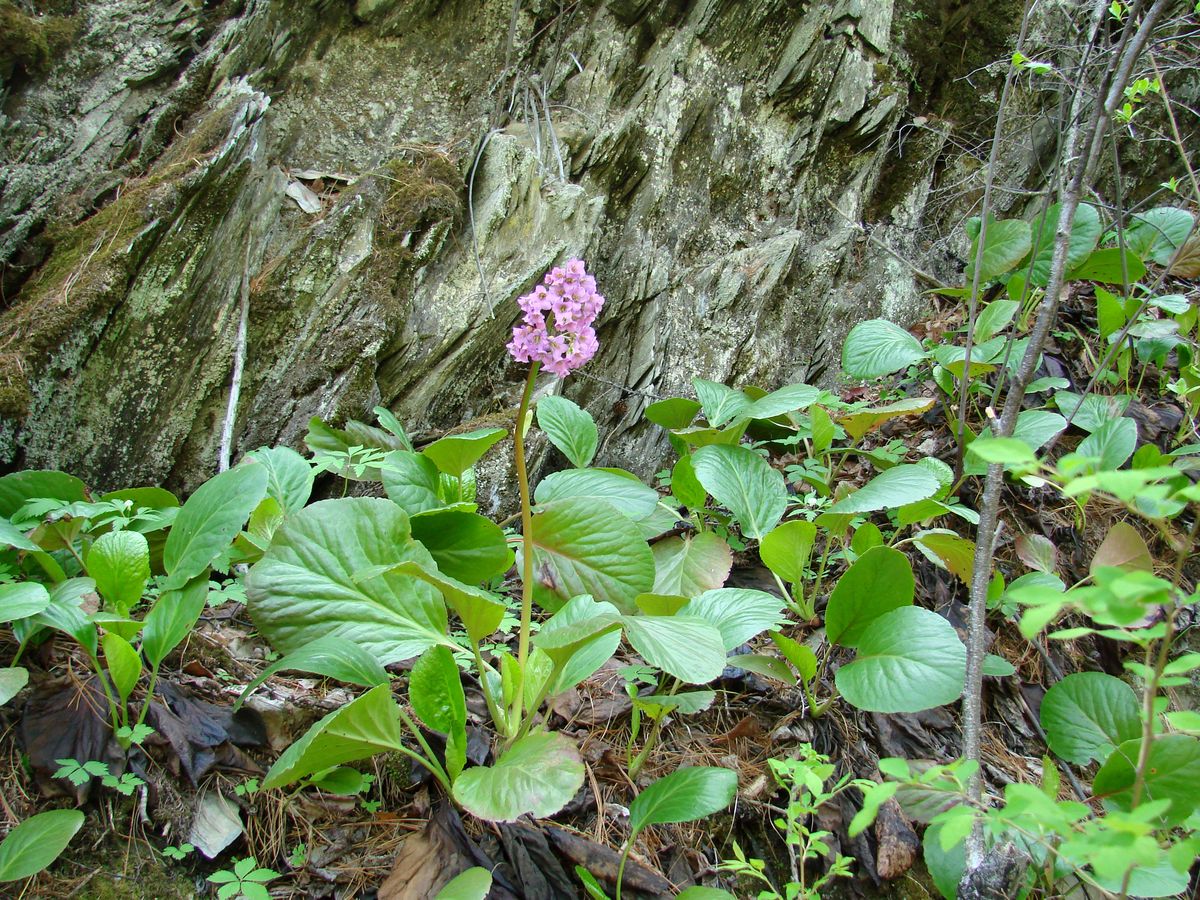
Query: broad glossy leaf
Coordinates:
[123,664]
[577,656]
[690,565]
[878,347]
[64,614]
[37,842]
[1109,266]
[879,581]
[1006,243]
[465,545]
[18,487]
[341,780]
[948,551]
[120,563]
[1095,411]
[745,484]
[362,728]
[1112,443]
[767,666]
[480,611]
[144,497]
[626,494]
[1172,773]
[585,547]
[411,481]
[720,403]
[538,775]
[684,795]
[22,599]
[1087,714]
[799,655]
[858,422]
[1161,880]
[289,476]
[1125,548]
[789,398]
[945,867]
[1085,232]
[436,694]
[473,884]
[1038,552]
[685,703]
[305,587]
[1036,427]
[994,319]
[1155,234]
[737,613]
[332,657]
[687,647]
[11,536]
[661,604]
[685,486]
[210,520]
[673,413]
[785,550]
[569,428]
[456,453]
[908,660]
[172,618]
[12,680]
[895,487]
[866,536]
[998,666]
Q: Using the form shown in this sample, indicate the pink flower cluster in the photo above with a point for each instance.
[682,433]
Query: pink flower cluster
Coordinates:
[557,329]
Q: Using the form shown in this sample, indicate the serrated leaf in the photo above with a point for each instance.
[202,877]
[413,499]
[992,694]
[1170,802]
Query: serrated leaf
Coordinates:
[538,775]
[569,428]
[878,347]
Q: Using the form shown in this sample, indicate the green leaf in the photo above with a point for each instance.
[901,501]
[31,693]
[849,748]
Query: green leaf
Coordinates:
[745,484]
[799,655]
[908,660]
[289,476]
[120,563]
[456,453]
[739,614]
[436,693]
[465,545]
[473,884]
[1006,243]
[18,487]
[1109,266]
[685,703]
[1010,451]
[994,319]
[789,398]
[625,493]
[538,775]
[721,404]
[1087,714]
[878,347]
[585,547]
[579,650]
[948,551]
[786,549]
[64,612]
[22,599]
[945,867]
[1113,443]
[37,842]
[998,666]
[1036,427]
[11,536]
[144,498]
[767,666]
[1085,232]
[673,413]
[340,780]
[172,618]
[1172,773]
[1155,234]
[687,647]
[1161,880]
[123,664]
[690,565]
[411,481]
[1124,548]
[12,680]
[367,725]
[569,428]
[685,795]
[879,581]
[1095,411]
[823,430]
[332,657]
[685,486]
[897,486]
[700,892]
[481,612]
[305,588]
[210,520]
[858,422]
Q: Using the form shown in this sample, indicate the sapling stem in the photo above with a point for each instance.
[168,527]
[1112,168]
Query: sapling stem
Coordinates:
[526,543]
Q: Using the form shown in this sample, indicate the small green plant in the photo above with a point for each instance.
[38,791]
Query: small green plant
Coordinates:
[244,880]
[298,858]
[177,853]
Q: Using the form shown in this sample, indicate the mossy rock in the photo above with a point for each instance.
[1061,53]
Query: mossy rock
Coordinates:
[30,43]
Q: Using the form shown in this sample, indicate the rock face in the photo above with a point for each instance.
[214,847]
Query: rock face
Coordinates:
[380,180]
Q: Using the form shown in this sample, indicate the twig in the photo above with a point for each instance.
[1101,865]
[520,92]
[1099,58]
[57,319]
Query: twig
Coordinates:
[239,361]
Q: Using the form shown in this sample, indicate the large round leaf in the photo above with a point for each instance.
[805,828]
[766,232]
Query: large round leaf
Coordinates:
[878,347]
[879,581]
[786,549]
[18,487]
[456,453]
[624,492]
[1087,714]
[737,613]
[289,476]
[210,520]
[539,775]
[37,842]
[305,588]
[895,487]
[587,547]
[745,484]
[908,659]
[22,599]
[691,565]
[1006,243]
[685,795]
[687,647]
[1085,232]
[465,545]
[1155,234]
[411,481]
[1172,773]
[120,563]
[569,428]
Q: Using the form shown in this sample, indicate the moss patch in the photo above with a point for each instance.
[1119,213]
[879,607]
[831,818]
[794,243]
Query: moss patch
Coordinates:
[31,43]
